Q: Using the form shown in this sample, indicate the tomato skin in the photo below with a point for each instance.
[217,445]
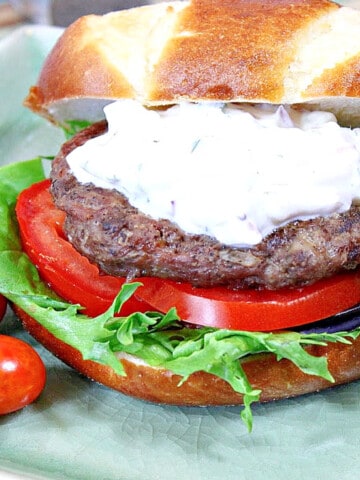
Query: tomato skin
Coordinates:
[22,374]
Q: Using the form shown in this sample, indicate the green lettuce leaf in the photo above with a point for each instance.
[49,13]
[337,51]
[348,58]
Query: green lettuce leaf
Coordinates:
[159,339]
[72,127]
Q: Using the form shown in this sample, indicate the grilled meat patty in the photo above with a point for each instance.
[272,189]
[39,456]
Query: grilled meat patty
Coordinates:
[122,241]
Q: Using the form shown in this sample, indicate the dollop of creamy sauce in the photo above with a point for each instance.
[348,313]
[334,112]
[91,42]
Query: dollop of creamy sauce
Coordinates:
[233,172]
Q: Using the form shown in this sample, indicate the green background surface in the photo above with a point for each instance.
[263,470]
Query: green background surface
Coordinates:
[80,430]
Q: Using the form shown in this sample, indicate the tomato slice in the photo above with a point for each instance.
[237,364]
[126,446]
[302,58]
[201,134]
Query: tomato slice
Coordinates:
[253,310]
[68,273]
[74,278]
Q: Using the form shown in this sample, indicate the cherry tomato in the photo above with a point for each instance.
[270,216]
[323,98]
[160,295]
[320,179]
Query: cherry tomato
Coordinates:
[74,278]
[22,374]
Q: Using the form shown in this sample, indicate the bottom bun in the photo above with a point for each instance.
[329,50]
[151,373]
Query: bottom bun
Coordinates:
[276,379]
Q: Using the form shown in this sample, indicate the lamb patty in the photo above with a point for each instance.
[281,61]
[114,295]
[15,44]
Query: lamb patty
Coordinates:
[123,241]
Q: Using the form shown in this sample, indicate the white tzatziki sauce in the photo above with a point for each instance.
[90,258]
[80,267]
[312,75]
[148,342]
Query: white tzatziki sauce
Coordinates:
[234,172]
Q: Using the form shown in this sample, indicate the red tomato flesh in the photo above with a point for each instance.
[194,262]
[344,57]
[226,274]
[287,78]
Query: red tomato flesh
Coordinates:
[22,374]
[253,310]
[74,278]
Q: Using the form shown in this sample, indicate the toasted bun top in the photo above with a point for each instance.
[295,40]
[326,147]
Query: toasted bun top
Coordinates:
[273,51]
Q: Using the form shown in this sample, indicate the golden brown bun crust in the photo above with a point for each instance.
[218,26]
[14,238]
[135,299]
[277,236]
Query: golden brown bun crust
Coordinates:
[273,51]
[276,379]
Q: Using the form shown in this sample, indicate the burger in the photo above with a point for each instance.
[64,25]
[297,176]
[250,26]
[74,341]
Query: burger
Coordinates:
[198,239]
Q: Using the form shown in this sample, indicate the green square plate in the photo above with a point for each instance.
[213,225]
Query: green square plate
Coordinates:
[79,430]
